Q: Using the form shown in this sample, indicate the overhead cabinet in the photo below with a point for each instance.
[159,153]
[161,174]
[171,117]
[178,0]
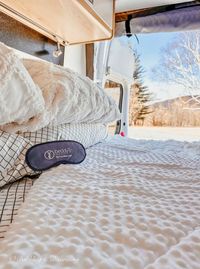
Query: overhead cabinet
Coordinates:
[65,21]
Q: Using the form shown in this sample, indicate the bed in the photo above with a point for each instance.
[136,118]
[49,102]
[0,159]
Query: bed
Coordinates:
[11,198]
[130,204]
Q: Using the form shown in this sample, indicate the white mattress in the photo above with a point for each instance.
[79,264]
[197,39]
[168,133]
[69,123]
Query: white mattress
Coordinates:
[12,196]
[131,204]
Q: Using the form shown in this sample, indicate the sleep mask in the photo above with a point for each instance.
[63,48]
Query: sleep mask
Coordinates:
[43,156]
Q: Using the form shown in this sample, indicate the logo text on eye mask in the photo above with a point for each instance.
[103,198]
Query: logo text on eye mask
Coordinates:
[58,153]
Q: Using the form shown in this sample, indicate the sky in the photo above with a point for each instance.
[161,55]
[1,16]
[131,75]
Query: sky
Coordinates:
[149,48]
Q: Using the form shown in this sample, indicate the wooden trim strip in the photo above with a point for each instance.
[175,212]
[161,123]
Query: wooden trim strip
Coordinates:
[90,60]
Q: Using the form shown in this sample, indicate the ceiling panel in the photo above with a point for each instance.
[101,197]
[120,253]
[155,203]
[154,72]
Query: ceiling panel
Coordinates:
[125,5]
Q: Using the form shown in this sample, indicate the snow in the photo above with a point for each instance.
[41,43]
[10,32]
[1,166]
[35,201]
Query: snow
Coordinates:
[165,133]
[179,142]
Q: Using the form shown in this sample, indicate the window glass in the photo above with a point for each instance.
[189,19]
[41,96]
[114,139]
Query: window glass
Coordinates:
[164,101]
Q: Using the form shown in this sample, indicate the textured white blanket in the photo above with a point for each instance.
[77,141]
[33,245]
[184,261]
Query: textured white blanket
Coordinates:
[35,93]
[129,205]
[20,98]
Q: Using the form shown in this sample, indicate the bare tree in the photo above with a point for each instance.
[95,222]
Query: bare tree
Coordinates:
[171,113]
[180,64]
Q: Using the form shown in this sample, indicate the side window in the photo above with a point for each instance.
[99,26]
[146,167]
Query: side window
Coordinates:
[115,90]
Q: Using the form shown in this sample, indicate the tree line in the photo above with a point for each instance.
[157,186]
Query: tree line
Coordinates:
[179,64]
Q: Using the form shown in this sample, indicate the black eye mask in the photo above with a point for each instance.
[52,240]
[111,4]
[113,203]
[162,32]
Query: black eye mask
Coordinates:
[46,155]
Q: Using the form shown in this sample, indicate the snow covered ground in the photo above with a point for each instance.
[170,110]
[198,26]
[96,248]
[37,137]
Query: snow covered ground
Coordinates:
[165,133]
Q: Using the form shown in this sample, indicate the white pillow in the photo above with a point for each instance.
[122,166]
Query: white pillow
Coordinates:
[86,134]
[13,147]
[20,98]
[70,97]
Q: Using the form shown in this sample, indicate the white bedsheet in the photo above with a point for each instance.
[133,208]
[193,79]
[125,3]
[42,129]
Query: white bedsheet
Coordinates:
[131,204]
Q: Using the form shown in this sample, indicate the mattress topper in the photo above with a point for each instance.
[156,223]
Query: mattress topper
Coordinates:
[129,205]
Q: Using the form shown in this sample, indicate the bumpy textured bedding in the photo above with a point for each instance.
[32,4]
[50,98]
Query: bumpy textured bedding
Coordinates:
[11,198]
[130,204]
